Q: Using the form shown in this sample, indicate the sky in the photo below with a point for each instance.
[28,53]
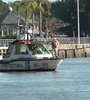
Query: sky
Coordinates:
[7,1]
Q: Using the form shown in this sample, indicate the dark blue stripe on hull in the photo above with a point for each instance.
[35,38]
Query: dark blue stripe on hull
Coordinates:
[26,59]
[27,70]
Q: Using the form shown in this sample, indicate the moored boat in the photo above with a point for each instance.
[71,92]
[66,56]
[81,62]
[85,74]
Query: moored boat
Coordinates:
[28,55]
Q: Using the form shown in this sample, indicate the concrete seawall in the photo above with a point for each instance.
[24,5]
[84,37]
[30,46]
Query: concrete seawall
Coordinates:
[72,50]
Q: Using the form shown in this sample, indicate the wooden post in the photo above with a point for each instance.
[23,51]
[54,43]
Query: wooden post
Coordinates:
[65,53]
[74,54]
[85,54]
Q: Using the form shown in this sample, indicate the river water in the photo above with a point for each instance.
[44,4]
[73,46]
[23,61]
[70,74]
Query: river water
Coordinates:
[70,81]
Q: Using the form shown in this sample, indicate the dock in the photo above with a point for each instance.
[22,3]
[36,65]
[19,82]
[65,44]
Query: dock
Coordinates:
[72,50]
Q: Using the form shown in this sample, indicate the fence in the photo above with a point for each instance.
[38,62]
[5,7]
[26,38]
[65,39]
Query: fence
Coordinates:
[3,50]
[5,42]
[67,40]
[63,40]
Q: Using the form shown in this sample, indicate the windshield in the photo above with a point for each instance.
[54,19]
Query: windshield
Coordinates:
[38,49]
[9,51]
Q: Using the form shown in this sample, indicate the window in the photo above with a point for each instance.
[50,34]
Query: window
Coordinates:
[9,51]
[38,49]
[21,49]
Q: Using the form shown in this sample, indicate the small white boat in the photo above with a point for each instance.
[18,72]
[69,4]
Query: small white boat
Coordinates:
[28,55]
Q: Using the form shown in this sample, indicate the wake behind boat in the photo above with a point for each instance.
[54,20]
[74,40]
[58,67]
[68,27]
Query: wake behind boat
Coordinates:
[28,55]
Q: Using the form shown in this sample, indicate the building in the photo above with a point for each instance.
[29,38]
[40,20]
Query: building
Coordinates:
[8,25]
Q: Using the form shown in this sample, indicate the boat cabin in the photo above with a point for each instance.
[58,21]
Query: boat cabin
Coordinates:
[27,49]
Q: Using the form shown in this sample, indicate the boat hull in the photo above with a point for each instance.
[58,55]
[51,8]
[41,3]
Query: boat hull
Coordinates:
[29,64]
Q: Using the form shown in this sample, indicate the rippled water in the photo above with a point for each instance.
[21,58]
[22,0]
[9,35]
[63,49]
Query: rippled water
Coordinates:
[70,81]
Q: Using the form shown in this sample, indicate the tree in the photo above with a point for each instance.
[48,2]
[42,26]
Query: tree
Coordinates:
[32,6]
[40,2]
[67,11]
[3,8]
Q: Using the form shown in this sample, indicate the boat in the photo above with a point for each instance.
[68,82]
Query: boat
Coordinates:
[28,55]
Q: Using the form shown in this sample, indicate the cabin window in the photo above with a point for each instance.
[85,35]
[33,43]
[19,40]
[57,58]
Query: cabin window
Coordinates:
[21,49]
[38,49]
[9,51]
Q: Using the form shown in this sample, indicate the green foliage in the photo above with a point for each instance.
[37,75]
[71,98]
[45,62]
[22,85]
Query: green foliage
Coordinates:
[67,10]
[3,8]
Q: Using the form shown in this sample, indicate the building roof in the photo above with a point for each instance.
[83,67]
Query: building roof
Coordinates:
[10,19]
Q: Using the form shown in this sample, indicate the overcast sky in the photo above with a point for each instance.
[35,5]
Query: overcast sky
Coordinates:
[17,0]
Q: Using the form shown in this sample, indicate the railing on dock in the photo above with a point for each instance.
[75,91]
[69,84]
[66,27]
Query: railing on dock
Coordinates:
[3,50]
[5,42]
[63,40]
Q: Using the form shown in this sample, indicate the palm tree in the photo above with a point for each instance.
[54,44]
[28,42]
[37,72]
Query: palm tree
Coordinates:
[40,18]
[26,17]
[30,7]
[34,8]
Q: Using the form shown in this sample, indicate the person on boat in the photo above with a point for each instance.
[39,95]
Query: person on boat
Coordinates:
[55,45]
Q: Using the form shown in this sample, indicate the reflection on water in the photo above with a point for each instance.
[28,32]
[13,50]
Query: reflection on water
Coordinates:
[70,81]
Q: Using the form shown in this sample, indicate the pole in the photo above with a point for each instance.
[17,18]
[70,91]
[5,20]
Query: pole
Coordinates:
[78,21]
[18,24]
[40,22]
[33,26]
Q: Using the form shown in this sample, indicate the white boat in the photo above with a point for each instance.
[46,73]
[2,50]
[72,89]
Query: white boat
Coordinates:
[28,55]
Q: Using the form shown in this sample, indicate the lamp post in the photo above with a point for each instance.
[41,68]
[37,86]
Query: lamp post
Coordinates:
[40,21]
[78,21]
